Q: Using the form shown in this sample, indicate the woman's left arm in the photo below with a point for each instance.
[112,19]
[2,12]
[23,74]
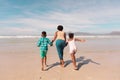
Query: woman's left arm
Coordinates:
[65,36]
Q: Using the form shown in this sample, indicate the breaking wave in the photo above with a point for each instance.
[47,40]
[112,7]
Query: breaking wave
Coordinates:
[98,36]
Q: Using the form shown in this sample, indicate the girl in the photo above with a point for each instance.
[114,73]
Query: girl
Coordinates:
[72,48]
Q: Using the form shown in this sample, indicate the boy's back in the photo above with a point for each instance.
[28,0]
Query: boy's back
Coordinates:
[43,43]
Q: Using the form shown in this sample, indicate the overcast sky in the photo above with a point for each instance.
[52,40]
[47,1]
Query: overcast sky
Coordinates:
[30,17]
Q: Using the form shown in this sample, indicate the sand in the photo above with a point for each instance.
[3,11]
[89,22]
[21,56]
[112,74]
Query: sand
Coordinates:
[97,59]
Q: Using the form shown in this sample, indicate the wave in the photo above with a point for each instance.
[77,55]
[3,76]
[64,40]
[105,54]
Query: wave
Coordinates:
[19,36]
[98,36]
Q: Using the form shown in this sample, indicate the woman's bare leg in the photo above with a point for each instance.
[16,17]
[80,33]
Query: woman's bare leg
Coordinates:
[62,63]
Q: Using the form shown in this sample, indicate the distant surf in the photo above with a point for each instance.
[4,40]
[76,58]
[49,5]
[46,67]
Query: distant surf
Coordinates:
[91,36]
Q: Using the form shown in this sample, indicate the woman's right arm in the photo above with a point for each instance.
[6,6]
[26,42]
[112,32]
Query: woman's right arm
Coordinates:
[55,36]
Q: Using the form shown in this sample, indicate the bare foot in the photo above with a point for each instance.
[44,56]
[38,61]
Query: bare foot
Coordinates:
[62,65]
[42,69]
[75,68]
[46,65]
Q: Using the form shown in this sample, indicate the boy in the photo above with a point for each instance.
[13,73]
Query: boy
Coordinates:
[43,44]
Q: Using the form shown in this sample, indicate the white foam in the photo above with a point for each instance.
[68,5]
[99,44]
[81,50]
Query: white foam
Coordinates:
[19,36]
[100,36]
[92,36]
[22,37]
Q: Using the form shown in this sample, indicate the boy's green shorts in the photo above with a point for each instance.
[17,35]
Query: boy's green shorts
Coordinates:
[43,53]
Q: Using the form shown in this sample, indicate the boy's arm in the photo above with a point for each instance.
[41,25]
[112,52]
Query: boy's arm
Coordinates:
[38,43]
[49,42]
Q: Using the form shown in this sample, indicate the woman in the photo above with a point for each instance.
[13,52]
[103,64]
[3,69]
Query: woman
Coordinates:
[60,37]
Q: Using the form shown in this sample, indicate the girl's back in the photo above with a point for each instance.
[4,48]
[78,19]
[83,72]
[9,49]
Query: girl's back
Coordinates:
[71,43]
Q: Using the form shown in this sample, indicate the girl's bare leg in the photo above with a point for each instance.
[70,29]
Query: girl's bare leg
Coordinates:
[74,60]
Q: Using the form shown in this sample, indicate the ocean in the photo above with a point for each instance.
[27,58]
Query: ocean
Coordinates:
[92,44]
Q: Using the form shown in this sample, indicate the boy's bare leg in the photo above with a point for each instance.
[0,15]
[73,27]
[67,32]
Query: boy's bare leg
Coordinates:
[45,60]
[42,61]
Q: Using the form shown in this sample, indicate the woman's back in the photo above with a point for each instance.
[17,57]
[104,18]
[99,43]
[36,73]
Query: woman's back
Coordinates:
[60,35]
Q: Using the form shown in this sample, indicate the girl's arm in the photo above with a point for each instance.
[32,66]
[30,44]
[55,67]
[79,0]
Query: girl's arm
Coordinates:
[81,40]
[38,43]
[49,42]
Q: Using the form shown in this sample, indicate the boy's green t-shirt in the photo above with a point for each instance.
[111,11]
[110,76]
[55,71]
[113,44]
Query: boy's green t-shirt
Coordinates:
[43,43]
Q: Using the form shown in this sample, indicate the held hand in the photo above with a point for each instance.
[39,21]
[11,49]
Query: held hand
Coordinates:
[51,44]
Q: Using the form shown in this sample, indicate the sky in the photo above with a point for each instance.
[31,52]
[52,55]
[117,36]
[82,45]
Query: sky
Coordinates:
[30,17]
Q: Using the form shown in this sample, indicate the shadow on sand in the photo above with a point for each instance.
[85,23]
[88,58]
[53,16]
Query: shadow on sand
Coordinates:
[53,65]
[81,61]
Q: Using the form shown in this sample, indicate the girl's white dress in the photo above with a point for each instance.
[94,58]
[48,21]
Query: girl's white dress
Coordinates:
[72,46]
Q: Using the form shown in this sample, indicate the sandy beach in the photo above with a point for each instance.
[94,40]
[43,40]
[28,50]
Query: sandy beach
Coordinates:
[97,59]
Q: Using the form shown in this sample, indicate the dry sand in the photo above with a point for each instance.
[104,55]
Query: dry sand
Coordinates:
[19,60]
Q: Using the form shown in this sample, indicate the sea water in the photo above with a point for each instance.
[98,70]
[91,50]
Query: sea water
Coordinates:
[92,43]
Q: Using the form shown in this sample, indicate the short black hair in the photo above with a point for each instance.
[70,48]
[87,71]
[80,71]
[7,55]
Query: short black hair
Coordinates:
[60,27]
[44,33]
[71,35]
